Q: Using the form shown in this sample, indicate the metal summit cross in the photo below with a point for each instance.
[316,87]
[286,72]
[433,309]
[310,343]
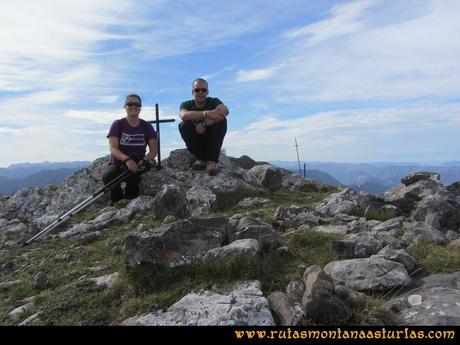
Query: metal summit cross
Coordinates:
[157,121]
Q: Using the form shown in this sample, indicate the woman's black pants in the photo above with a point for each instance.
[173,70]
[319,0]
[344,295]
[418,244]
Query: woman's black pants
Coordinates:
[132,182]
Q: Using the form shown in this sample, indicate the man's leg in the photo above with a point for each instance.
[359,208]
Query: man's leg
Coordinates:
[215,137]
[110,172]
[193,141]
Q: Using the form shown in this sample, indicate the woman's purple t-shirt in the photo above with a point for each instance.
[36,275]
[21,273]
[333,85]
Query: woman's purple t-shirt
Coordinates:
[132,142]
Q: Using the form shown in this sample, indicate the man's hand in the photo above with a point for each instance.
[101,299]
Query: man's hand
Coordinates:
[215,116]
[199,128]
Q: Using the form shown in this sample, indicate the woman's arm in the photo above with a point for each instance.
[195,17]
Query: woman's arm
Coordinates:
[153,150]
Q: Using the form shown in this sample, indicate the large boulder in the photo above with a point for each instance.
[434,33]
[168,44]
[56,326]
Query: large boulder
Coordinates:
[419,176]
[407,197]
[370,274]
[434,301]
[240,305]
[288,311]
[420,231]
[171,201]
[347,201]
[267,176]
[319,302]
[445,208]
[249,227]
[381,211]
[181,243]
[239,250]
[200,200]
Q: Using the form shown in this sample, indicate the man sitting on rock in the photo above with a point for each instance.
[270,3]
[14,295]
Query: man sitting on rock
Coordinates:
[203,126]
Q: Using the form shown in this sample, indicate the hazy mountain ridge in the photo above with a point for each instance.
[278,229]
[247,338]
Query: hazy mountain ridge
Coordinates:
[22,175]
[320,176]
[376,177]
[21,170]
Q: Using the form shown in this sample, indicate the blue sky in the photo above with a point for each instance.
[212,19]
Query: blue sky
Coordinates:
[353,81]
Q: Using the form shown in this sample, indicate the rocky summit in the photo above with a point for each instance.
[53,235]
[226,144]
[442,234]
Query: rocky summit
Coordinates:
[253,245]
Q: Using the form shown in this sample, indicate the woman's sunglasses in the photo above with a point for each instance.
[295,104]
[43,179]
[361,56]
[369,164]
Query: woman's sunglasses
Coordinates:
[130,104]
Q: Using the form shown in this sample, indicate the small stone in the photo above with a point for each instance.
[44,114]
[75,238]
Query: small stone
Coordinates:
[40,281]
[414,300]
[8,266]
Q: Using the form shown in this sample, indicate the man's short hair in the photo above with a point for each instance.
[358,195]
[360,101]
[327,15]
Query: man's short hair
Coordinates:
[200,79]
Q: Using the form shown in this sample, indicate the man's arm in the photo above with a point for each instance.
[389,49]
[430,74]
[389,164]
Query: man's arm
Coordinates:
[216,115]
[188,115]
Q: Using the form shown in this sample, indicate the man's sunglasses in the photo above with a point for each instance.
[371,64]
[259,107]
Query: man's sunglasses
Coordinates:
[203,89]
[130,104]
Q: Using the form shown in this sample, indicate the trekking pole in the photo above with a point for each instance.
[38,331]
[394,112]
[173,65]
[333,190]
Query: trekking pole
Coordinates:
[66,216]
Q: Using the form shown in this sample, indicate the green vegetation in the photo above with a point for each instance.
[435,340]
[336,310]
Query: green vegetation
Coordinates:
[226,201]
[434,258]
[313,247]
[369,311]
[69,300]
[378,216]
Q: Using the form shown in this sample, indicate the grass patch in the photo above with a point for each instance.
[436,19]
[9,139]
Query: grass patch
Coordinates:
[63,261]
[378,216]
[228,200]
[434,258]
[370,312]
[164,286]
[83,304]
[313,247]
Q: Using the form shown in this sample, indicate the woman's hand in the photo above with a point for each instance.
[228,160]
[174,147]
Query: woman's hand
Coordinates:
[132,166]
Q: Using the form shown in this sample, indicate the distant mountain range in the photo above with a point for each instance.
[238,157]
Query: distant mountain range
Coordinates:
[375,178]
[18,176]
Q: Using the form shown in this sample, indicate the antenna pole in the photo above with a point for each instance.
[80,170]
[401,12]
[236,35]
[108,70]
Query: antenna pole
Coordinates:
[298,160]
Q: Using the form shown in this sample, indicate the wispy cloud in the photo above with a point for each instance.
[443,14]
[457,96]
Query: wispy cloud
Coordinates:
[66,68]
[344,19]
[365,51]
[349,134]
[255,74]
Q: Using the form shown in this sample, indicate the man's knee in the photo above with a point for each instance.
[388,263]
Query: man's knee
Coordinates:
[185,127]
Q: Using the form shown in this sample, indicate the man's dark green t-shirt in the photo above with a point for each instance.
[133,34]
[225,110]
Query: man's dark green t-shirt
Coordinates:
[211,104]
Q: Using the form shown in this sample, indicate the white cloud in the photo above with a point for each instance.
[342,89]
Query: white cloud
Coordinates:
[101,117]
[367,52]
[352,135]
[6,130]
[177,31]
[49,36]
[345,19]
[256,74]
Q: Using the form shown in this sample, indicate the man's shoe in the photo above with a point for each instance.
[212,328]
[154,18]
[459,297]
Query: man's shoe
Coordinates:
[212,168]
[199,165]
